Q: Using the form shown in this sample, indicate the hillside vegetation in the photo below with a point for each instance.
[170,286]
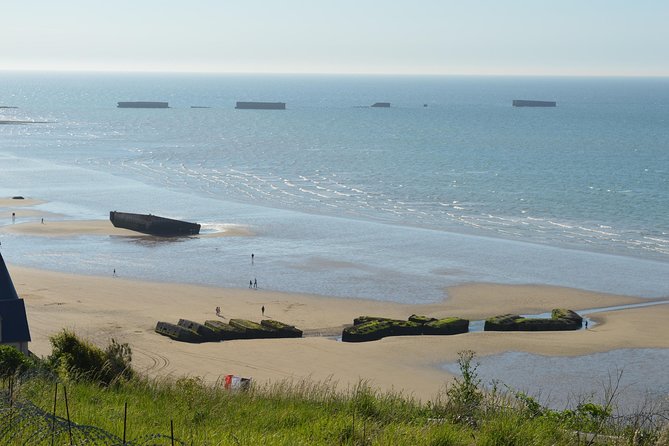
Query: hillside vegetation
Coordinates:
[107,402]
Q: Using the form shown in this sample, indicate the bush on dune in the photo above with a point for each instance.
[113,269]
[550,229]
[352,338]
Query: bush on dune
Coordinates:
[73,358]
[12,361]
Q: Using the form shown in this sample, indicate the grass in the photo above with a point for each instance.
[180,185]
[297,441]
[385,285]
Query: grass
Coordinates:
[284,413]
[302,412]
[307,413]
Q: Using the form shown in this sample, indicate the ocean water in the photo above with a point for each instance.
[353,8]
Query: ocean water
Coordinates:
[450,185]
[637,375]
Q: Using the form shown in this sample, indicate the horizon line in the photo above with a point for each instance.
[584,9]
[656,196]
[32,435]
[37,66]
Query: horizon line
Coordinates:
[325,73]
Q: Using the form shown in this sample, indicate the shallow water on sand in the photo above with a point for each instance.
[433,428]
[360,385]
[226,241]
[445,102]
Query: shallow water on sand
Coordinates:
[566,381]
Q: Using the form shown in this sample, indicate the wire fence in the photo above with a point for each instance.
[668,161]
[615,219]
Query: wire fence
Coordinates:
[23,423]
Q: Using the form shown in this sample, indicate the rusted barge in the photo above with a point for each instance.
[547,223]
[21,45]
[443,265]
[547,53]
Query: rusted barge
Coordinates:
[153,224]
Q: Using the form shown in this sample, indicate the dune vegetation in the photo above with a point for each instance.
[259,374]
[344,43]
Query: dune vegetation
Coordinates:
[97,399]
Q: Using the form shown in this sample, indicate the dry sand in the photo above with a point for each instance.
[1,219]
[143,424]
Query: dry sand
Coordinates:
[100,308]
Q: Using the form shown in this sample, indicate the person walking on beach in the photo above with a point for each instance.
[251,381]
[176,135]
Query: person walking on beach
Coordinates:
[262,310]
[255,283]
[114,273]
[252,257]
[250,283]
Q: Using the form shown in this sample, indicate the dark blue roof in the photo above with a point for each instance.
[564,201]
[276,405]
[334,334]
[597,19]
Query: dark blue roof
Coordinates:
[7,290]
[14,323]
[13,320]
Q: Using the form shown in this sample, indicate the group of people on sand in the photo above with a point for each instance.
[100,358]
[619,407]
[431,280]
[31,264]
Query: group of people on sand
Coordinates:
[253,284]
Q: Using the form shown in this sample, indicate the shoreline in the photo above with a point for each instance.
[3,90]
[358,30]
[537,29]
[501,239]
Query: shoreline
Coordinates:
[101,308]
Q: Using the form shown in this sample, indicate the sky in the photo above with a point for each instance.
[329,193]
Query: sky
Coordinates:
[471,37]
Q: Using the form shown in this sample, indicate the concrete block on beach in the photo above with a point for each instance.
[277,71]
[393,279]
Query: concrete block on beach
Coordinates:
[205,332]
[283,330]
[372,328]
[253,329]
[178,333]
[561,319]
[226,332]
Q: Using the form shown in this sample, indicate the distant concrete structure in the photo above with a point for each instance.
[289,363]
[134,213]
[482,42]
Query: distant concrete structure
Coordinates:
[261,105]
[381,104]
[14,328]
[526,103]
[143,104]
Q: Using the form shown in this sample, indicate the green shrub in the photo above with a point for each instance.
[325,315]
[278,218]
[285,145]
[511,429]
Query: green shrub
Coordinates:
[464,395]
[12,361]
[76,359]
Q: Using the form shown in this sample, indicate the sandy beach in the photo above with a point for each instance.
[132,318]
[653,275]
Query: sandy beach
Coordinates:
[101,308]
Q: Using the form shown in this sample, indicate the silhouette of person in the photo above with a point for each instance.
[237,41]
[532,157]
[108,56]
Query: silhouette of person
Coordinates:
[250,283]
[586,325]
[255,283]
[252,257]
[114,273]
[218,311]
[263,310]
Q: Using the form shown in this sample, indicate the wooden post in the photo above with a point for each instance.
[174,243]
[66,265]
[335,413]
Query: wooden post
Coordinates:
[125,420]
[67,411]
[53,425]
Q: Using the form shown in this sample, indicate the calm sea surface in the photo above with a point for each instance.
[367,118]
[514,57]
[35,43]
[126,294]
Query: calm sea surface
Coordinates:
[450,185]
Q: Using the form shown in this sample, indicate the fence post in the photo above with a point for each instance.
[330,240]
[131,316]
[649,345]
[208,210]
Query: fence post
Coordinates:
[172,431]
[125,420]
[67,411]
[11,402]
[53,425]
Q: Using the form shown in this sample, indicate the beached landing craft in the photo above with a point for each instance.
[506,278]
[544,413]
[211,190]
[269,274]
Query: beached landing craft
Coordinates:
[152,224]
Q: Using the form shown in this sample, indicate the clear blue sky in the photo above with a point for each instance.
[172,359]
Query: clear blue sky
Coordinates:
[552,37]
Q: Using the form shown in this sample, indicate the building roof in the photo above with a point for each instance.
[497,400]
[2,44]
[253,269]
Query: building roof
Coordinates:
[7,290]
[13,320]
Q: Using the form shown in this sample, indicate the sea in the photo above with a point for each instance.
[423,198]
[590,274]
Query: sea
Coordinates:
[449,185]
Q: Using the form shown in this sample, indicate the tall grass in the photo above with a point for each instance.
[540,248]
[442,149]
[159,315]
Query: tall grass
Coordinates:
[316,413]
[286,413]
